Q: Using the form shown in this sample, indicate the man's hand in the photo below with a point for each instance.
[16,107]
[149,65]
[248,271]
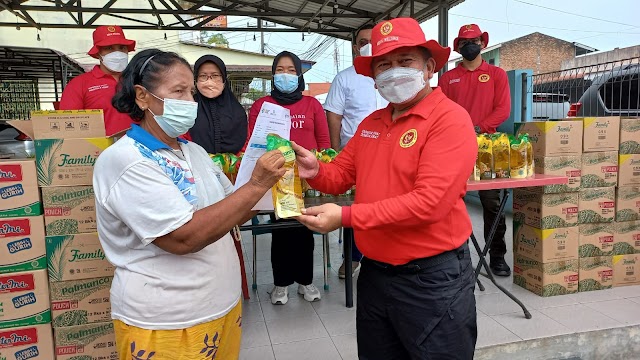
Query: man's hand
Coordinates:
[269,169]
[308,165]
[323,219]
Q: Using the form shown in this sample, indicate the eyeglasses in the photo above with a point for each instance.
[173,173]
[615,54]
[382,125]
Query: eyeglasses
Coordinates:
[215,77]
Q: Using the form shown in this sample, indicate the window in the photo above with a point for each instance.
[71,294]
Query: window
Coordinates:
[621,92]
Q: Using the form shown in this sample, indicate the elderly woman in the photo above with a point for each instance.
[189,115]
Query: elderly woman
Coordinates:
[221,125]
[164,216]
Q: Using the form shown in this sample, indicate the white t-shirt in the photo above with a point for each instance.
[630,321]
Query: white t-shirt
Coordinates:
[353,96]
[144,190]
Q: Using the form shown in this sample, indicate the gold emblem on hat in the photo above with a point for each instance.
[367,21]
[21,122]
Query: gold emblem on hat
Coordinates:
[468,27]
[484,78]
[409,138]
[111,29]
[386,28]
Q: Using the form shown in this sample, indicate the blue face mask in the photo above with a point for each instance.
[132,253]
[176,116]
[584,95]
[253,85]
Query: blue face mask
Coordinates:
[178,116]
[287,83]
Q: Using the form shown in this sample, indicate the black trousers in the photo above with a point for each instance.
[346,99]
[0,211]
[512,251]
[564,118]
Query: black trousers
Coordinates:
[490,200]
[427,315]
[292,255]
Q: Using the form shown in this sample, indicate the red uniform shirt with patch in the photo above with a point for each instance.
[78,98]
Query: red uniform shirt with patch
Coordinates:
[484,93]
[94,90]
[309,127]
[410,176]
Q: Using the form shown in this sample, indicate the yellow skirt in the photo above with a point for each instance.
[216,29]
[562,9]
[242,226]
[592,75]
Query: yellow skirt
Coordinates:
[218,339]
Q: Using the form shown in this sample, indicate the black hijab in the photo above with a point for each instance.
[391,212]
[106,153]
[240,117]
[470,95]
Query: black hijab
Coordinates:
[294,97]
[221,125]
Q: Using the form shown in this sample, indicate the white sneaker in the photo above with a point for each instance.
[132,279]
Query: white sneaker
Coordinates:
[310,292]
[279,295]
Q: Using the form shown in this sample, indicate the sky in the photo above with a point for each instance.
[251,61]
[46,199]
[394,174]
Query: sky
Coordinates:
[603,25]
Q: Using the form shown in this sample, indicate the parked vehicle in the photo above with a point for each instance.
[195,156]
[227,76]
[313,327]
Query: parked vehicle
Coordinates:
[550,106]
[616,93]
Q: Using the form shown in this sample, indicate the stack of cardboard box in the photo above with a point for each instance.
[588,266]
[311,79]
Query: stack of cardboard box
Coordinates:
[597,201]
[626,256]
[25,318]
[68,144]
[600,156]
[545,219]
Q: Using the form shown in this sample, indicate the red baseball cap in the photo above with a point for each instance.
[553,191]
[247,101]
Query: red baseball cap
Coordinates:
[109,35]
[470,31]
[393,34]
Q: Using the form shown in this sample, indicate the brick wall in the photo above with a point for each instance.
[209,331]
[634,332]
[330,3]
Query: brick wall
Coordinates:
[522,53]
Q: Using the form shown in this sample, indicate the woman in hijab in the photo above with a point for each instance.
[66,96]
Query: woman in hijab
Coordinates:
[221,125]
[292,248]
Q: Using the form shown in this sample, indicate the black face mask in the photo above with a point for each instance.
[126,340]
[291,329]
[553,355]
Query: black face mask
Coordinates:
[470,51]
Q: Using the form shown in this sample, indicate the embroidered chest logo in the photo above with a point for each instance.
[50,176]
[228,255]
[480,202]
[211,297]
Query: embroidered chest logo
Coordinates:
[409,138]
[484,78]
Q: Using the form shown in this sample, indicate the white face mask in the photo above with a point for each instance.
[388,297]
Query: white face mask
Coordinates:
[366,50]
[116,61]
[400,84]
[177,117]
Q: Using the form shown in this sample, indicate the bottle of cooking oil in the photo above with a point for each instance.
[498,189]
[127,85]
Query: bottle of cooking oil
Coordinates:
[501,155]
[485,157]
[518,158]
[530,161]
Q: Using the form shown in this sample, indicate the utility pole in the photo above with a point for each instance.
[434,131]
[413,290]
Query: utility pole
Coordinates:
[336,57]
[264,82]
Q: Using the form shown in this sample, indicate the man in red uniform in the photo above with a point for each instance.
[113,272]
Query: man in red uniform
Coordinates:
[410,163]
[94,90]
[483,90]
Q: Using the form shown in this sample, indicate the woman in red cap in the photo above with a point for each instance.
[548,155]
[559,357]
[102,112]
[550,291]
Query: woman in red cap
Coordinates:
[94,90]
[410,163]
[483,90]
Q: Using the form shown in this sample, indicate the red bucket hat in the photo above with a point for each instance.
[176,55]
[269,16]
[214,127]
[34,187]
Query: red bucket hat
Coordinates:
[470,31]
[109,35]
[393,34]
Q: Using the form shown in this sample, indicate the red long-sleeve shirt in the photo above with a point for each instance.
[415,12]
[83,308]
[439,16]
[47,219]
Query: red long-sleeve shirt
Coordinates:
[483,92]
[410,176]
[94,90]
[309,127]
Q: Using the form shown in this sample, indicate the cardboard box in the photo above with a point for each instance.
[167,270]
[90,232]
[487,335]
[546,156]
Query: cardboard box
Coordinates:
[627,240]
[64,162]
[597,205]
[546,245]
[69,210]
[596,239]
[19,194]
[629,136]
[27,343]
[22,244]
[629,170]
[556,278]
[88,342]
[600,133]
[626,270]
[596,273]
[24,299]
[553,138]
[63,124]
[80,302]
[76,257]
[599,169]
[628,203]
[545,211]
[569,166]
